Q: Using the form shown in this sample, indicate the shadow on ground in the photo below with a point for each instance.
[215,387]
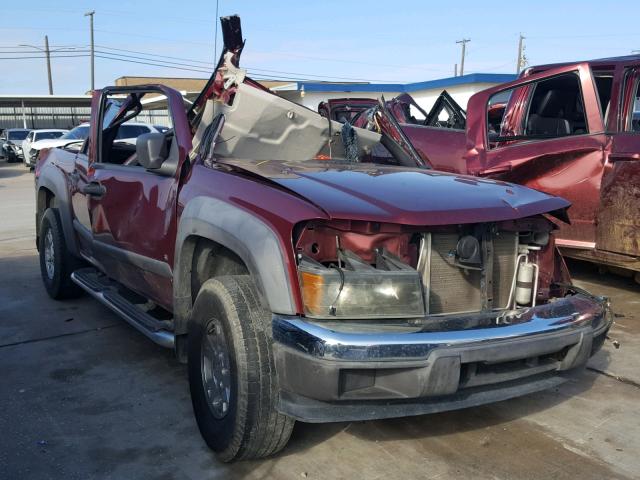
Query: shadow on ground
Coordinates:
[8,170]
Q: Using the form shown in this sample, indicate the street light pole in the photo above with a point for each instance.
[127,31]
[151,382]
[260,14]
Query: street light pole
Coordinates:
[90,15]
[48,54]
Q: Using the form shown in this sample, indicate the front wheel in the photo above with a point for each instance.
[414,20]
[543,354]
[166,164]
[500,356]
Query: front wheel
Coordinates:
[231,372]
[56,262]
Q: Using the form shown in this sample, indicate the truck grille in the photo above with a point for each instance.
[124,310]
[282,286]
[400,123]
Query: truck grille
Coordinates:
[452,289]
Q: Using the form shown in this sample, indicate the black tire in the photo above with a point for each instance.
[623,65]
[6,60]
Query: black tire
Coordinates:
[57,279]
[227,309]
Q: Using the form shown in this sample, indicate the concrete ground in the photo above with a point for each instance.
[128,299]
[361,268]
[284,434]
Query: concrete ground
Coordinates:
[83,395]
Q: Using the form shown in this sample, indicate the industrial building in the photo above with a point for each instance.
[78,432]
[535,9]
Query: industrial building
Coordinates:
[66,111]
[44,111]
[461,88]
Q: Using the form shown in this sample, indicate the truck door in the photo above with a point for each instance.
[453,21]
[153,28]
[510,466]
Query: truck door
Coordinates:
[132,211]
[618,218]
[546,132]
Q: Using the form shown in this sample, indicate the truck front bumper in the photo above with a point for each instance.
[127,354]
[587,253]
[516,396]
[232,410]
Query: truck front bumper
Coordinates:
[355,370]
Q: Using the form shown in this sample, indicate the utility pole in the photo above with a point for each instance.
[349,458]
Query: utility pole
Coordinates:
[464,48]
[455,69]
[93,58]
[215,39]
[520,54]
[48,54]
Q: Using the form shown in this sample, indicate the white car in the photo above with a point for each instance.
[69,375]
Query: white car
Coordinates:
[37,135]
[127,133]
[11,141]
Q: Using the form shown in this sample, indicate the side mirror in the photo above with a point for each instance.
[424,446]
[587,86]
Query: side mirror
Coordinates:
[151,150]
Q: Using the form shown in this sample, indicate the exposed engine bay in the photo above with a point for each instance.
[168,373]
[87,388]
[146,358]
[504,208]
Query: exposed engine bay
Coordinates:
[370,270]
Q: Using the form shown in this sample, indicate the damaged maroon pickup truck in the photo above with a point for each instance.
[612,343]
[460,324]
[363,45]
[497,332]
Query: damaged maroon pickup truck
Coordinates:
[305,269]
[571,130]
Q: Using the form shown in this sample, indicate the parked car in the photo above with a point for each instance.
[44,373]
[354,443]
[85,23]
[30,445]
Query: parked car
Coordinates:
[309,270]
[12,143]
[161,128]
[35,136]
[76,137]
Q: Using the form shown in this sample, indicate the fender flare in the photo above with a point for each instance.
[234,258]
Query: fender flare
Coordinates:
[253,240]
[53,179]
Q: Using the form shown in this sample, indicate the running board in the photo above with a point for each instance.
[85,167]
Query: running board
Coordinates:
[156,330]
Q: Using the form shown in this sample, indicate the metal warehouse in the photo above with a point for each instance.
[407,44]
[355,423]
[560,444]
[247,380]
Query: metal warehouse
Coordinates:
[44,111]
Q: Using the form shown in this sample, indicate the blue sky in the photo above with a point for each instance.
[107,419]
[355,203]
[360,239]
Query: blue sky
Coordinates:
[350,40]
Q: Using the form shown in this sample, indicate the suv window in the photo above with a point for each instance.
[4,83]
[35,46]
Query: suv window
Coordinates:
[556,108]
[549,108]
[633,123]
[604,85]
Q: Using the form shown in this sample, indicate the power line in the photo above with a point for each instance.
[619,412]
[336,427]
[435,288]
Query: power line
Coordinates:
[155,55]
[42,56]
[211,65]
[106,57]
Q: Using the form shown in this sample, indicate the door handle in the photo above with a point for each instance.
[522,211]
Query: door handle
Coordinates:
[93,189]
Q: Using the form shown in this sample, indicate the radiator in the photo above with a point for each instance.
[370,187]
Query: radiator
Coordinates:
[451,289]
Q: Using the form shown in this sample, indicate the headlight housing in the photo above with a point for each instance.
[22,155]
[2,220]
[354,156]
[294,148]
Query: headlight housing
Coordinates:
[356,290]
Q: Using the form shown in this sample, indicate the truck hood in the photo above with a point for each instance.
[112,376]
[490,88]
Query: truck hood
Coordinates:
[402,195]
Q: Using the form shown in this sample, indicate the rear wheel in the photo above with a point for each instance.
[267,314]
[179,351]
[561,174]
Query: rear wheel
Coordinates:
[56,262]
[231,371]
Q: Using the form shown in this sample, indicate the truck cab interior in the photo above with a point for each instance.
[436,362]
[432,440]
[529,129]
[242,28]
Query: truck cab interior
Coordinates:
[123,121]
[556,108]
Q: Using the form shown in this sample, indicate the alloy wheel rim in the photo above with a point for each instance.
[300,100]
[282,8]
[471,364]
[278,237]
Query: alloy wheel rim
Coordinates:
[49,254]
[216,371]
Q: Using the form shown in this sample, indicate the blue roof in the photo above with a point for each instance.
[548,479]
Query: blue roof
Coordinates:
[407,87]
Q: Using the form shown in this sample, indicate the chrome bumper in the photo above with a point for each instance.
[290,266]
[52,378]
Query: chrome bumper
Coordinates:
[572,313]
[429,359]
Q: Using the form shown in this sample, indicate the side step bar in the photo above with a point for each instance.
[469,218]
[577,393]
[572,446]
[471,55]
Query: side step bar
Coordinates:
[156,330]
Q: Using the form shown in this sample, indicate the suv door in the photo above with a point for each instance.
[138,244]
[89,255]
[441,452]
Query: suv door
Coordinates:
[132,211]
[618,219]
[550,137]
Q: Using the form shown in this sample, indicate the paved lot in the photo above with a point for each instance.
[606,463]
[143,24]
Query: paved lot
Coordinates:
[83,395]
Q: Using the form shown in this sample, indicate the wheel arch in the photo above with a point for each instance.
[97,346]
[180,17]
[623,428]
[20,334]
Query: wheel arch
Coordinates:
[52,191]
[241,237]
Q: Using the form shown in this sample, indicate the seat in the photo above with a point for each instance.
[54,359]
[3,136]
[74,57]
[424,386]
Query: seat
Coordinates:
[549,119]
[539,125]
